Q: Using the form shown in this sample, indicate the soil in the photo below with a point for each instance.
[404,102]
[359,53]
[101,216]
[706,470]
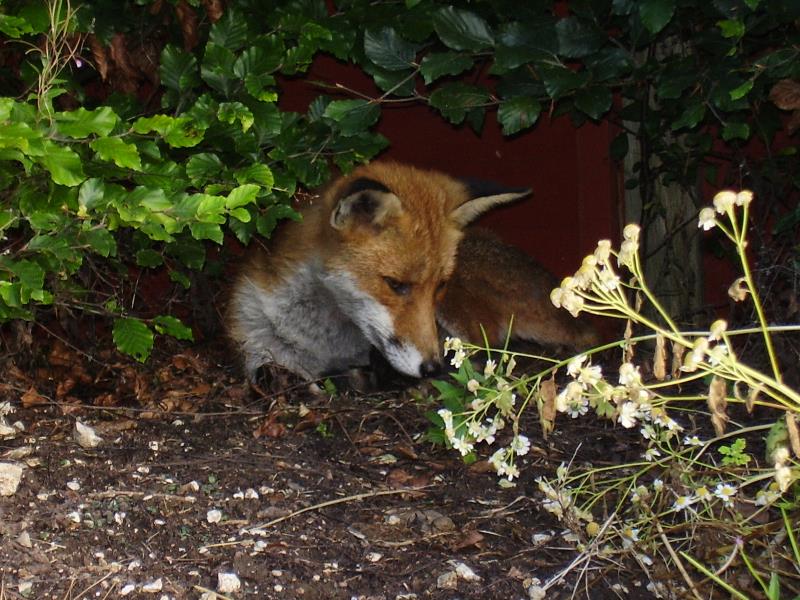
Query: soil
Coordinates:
[199,481]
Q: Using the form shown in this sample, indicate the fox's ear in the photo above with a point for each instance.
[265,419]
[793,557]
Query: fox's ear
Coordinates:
[484,195]
[364,201]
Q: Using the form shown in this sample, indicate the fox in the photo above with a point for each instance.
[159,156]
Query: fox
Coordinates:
[383,259]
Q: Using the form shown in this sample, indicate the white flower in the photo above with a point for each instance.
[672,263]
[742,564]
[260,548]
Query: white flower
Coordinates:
[568,395]
[510,366]
[683,502]
[461,445]
[590,375]
[651,454]
[572,302]
[627,415]
[767,497]
[630,535]
[707,218]
[725,491]
[724,201]
[498,459]
[520,445]
[783,475]
[744,198]
[452,343]
[627,254]
[609,280]
[658,485]
[693,441]
[780,455]
[648,432]
[702,493]
[447,417]
[578,407]
[629,375]
[631,232]
[716,354]
[473,386]
[603,251]
[556,296]
[574,366]
[511,471]
[458,358]
[488,369]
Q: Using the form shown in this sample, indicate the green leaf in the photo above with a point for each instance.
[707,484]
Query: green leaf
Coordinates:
[388,50]
[230,112]
[577,39]
[181,279]
[217,68]
[178,69]
[257,173]
[133,337]
[178,132]
[63,163]
[690,117]
[203,166]
[656,14]
[741,91]
[518,113]
[207,231]
[114,149]
[91,195]
[242,196]
[266,222]
[594,101]
[558,81]
[732,29]
[14,27]
[352,116]
[241,214]
[439,64]
[462,30]
[81,123]
[230,31]
[149,258]
[734,130]
[619,147]
[101,241]
[455,99]
[168,325]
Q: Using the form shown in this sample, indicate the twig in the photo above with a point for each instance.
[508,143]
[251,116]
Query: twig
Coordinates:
[344,500]
[678,562]
[114,493]
[95,584]
[214,594]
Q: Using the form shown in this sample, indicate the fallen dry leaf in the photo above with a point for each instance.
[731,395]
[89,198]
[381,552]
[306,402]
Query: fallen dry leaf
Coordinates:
[32,398]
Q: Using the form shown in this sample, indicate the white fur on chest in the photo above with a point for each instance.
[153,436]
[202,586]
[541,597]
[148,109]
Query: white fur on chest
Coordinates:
[298,324]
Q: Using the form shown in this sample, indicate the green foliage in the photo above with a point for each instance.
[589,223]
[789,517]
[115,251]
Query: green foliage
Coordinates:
[146,180]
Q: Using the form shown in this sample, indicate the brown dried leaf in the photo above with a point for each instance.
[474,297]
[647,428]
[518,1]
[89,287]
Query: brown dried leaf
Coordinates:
[64,387]
[467,540]
[156,7]
[214,9]
[547,411]
[61,356]
[406,451]
[628,356]
[738,290]
[751,399]
[188,22]
[794,122]
[794,434]
[270,427]
[116,426]
[660,358]
[718,404]
[32,398]
[678,350]
[786,94]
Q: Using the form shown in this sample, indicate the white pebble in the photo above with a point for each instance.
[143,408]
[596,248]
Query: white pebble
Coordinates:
[228,582]
[126,589]
[73,485]
[214,515]
[153,586]
[86,436]
[10,476]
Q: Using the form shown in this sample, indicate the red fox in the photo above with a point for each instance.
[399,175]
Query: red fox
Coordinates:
[367,266]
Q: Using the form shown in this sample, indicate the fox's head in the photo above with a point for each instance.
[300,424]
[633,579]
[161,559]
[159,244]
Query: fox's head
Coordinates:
[394,232]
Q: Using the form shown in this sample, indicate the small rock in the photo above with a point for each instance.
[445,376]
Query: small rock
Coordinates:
[374,556]
[465,572]
[126,589]
[153,587]
[73,485]
[24,540]
[10,476]
[25,587]
[18,453]
[74,516]
[536,592]
[447,581]
[214,515]
[251,494]
[153,446]
[228,583]
[86,436]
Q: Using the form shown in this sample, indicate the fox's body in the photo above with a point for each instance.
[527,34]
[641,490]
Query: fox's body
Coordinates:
[366,267]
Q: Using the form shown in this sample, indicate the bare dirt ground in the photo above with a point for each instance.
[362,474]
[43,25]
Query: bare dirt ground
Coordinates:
[200,485]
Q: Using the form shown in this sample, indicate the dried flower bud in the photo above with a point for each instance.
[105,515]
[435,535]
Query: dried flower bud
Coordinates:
[718,403]
[724,201]
[738,290]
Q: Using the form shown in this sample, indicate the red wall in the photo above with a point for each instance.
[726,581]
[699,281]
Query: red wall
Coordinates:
[573,180]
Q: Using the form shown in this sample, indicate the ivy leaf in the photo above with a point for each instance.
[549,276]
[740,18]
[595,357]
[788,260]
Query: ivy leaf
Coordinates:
[207,231]
[593,101]
[81,123]
[388,50]
[352,116]
[121,154]
[241,214]
[230,31]
[518,113]
[133,337]
[91,195]
[462,30]
[172,326]
[63,163]
[439,64]
[217,68]
[178,69]
[690,117]
[558,81]
[242,196]
[655,14]
[577,39]
[101,241]
[455,99]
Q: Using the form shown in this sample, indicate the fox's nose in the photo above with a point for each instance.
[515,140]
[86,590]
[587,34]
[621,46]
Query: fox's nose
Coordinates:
[430,368]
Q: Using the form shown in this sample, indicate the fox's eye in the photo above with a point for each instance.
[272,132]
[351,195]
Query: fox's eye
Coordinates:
[400,288]
[440,287]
